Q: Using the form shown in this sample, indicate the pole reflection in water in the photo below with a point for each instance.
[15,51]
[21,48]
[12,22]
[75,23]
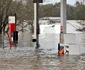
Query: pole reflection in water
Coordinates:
[38,63]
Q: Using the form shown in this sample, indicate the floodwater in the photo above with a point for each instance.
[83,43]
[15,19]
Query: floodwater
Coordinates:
[26,57]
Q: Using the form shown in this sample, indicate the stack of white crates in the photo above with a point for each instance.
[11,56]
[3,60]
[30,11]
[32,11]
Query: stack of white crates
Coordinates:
[71,47]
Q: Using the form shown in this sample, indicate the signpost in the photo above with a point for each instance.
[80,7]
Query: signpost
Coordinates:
[12,28]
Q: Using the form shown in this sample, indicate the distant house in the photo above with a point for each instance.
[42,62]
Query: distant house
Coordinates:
[49,20]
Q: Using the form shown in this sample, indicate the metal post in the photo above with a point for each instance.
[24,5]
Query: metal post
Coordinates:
[62,26]
[63,20]
[83,2]
[36,19]
[63,15]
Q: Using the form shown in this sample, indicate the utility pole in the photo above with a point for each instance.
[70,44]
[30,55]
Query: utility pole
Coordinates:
[36,21]
[63,20]
[63,15]
[83,2]
[62,27]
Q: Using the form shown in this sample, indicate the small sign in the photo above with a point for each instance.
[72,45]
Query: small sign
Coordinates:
[37,1]
[11,19]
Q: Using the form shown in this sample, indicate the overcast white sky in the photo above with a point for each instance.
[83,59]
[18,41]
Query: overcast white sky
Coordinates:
[72,2]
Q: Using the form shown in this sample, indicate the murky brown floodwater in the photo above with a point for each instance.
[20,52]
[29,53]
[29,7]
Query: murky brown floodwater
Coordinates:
[26,57]
[43,62]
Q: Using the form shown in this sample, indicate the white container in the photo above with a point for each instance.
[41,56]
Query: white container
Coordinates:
[70,40]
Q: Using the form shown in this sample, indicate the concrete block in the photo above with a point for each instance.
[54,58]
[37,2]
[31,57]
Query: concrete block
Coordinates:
[74,50]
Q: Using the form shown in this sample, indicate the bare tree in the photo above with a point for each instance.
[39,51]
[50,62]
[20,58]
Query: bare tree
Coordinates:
[23,10]
[4,8]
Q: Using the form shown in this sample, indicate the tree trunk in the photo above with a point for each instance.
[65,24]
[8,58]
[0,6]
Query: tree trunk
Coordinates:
[0,31]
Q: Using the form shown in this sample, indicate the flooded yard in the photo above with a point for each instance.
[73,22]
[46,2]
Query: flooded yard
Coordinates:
[26,57]
[37,61]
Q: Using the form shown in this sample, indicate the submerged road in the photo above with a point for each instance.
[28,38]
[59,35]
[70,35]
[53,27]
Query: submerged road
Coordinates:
[26,57]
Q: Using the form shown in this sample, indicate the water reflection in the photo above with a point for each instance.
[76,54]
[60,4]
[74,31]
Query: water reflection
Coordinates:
[54,62]
[35,59]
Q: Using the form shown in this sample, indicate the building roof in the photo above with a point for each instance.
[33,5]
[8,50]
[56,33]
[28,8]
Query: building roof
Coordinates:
[51,18]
